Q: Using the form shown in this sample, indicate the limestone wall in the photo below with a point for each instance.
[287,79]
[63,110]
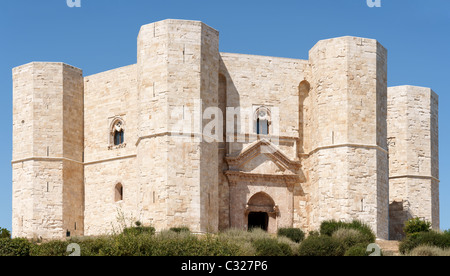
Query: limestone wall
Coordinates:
[254,81]
[47,158]
[178,74]
[348,159]
[413,155]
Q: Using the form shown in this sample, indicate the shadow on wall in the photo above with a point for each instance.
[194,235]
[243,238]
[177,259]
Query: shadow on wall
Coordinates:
[228,98]
[398,214]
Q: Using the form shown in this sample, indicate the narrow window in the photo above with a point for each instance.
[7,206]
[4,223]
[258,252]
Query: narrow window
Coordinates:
[117,134]
[262,127]
[262,121]
[118,193]
[119,138]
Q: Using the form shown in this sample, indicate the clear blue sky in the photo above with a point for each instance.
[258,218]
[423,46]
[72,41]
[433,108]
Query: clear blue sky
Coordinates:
[101,35]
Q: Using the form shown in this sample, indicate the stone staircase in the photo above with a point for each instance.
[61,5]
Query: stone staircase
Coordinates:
[389,248]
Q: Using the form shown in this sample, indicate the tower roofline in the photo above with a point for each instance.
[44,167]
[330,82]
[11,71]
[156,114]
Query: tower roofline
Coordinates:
[169,20]
[47,62]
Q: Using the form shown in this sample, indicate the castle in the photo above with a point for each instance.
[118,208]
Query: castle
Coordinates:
[190,136]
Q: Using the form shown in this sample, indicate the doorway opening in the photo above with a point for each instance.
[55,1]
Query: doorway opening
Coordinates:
[258,220]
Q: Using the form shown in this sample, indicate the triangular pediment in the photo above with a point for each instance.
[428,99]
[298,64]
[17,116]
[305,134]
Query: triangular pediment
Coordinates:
[263,157]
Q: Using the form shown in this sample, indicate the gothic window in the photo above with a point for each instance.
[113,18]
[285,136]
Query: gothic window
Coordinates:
[118,193]
[117,133]
[262,121]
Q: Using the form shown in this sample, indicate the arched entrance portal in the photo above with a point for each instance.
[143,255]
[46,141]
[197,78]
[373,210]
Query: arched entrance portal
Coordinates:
[261,212]
[258,220]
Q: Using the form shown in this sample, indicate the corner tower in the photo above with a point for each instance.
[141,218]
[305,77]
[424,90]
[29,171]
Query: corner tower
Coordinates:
[413,136]
[178,71]
[48,193]
[348,155]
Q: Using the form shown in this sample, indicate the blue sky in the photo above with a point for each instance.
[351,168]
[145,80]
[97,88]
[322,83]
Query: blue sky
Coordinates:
[101,35]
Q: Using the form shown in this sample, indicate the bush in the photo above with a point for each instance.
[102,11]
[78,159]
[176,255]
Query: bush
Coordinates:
[357,250]
[50,249]
[180,229]
[294,234]
[431,238]
[185,244]
[330,226]
[4,233]
[349,237]
[271,247]
[93,246]
[322,245]
[429,251]
[314,233]
[138,230]
[416,225]
[15,247]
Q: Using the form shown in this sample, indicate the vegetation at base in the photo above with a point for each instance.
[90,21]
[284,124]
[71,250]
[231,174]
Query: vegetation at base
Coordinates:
[180,229]
[429,251]
[330,226]
[4,233]
[15,247]
[416,225]
[179,241]
[294,234]
[321,245]
[334,238]
[431,238]
[358,250]
[421,240]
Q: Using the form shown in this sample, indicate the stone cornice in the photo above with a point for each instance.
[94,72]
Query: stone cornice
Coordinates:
[111,159]
[236,176]
[59,159]
[414,176]
[347,145]
[46,159]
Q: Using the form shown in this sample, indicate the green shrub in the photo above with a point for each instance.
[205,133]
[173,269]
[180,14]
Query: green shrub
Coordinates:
[93,246]
[241,238]
[416,225]
[180,229]
[330,226]
[357,250]
[294,234]
[170,243]
[50,249]
[15,247]
[322,245]
[271,247]
[212,246]
[313,233]
[138,230]
[429,251]
[431,238]
[4,233]
[349,237]
[132,243]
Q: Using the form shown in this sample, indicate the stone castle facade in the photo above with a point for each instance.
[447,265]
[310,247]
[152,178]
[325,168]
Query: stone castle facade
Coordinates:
[299,141]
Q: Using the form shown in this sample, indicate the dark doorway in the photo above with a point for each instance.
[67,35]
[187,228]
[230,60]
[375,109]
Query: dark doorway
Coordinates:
[258,220]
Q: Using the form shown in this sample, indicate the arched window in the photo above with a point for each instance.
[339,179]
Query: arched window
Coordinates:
[262,121]
[117,132]
[118,192]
